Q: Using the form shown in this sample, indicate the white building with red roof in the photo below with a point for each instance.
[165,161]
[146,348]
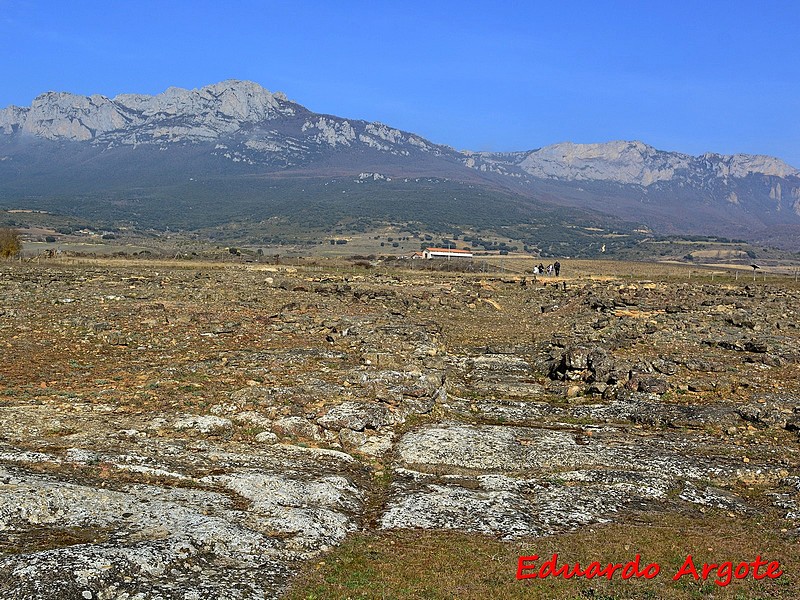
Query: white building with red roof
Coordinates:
[446,253]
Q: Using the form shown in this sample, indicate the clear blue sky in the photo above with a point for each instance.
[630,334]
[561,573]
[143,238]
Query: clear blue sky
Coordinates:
[692,76]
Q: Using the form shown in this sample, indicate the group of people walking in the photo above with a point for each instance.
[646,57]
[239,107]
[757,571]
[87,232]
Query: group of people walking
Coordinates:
[551,270]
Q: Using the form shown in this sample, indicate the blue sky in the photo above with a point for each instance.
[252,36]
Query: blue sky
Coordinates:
[691,76]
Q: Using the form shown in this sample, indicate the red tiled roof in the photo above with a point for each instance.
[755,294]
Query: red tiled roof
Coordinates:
[450,250]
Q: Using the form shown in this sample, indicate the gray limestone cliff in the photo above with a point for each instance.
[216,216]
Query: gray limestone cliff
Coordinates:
[265,123]
[231,107]
[228,107]
[633,163]
[204,113]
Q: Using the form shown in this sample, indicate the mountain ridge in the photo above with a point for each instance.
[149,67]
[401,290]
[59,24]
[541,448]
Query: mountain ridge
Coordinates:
[569,160]
[239,129]
[56,115]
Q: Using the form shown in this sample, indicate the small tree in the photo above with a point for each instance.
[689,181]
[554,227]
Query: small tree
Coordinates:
[10,245]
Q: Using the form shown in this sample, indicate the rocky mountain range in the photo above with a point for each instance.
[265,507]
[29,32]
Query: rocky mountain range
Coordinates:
[635,163]
[246,122]
[237,150]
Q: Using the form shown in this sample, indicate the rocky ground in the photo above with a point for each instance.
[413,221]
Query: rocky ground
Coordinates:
[199,431]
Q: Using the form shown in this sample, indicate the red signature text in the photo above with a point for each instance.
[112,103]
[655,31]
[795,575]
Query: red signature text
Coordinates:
[722,573]
[725,572]
[528,569]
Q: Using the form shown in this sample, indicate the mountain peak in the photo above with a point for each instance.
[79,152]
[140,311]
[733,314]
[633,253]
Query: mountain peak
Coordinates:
[601,148]
[631,162]
[741,165]
[203,113]
[634,162]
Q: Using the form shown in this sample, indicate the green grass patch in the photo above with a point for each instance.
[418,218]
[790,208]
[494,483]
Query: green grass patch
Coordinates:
[444,564]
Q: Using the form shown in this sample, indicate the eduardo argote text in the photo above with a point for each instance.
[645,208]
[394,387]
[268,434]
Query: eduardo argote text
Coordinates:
[529,567]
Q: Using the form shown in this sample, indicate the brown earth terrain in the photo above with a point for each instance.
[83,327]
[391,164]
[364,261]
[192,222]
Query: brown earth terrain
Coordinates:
[195,430]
